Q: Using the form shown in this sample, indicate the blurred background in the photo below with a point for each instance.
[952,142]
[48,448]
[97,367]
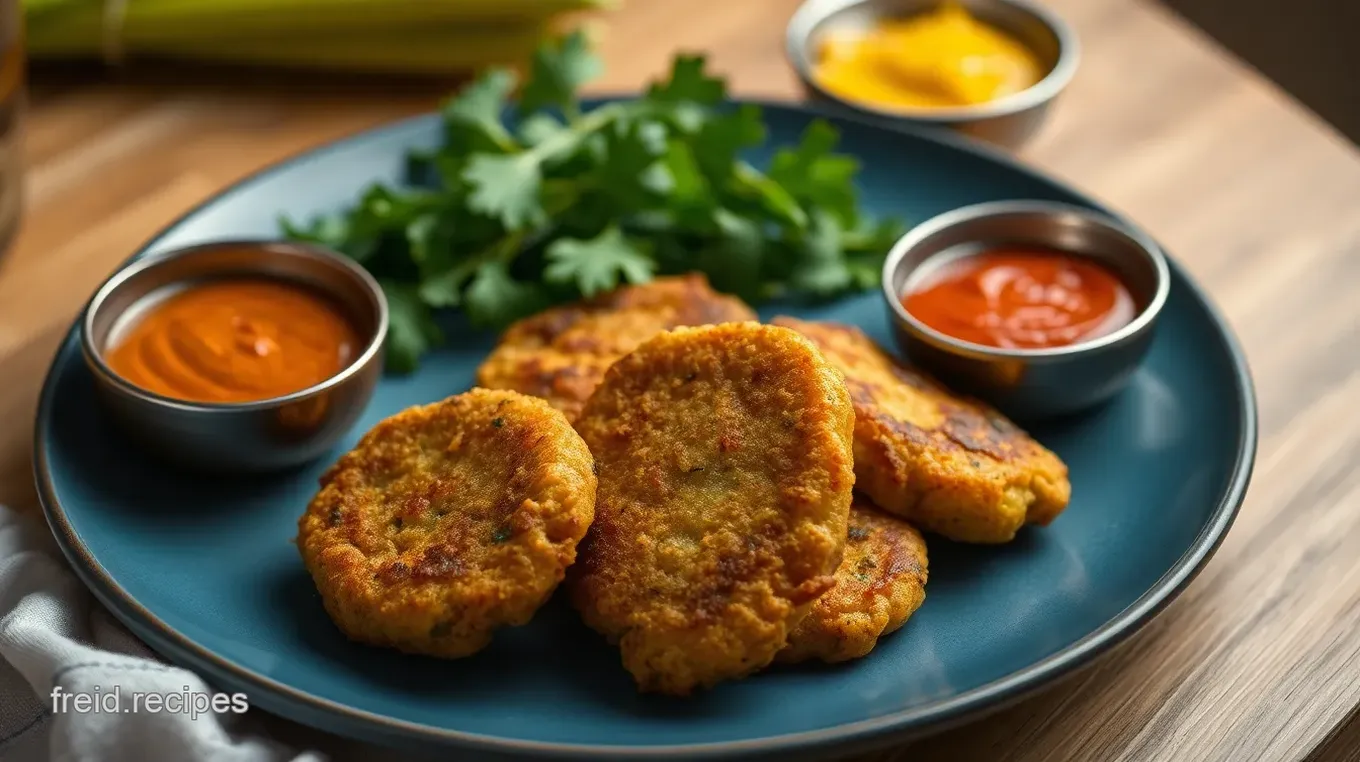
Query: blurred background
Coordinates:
[1305,46]
[418,49]
[334,56]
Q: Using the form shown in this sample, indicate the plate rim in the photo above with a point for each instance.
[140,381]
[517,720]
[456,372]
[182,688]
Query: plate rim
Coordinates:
[300,706]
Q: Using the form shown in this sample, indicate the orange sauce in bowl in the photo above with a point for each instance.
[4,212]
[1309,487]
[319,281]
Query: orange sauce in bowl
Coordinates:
[1022,299]
[236,341]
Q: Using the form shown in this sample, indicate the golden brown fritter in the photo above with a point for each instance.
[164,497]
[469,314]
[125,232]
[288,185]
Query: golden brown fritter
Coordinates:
[561,354]
[947,464]
[725,472]
[880,583]
[448,521]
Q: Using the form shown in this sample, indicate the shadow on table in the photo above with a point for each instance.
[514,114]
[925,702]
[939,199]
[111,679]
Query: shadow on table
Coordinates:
[1343,745]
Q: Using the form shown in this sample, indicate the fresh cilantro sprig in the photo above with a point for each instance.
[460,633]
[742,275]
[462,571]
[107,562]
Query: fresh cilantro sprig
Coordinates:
[521,208]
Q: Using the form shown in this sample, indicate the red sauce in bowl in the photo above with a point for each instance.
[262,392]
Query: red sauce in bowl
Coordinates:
[1022,298]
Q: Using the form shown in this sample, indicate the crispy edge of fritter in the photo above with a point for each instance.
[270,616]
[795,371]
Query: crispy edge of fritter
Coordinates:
[528,359]
[445,593]
[728,615]
[975,477]
[880,583]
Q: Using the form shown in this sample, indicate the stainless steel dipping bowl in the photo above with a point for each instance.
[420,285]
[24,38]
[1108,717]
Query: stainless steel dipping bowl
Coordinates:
[1029,384]
[257,436]
[1007,122]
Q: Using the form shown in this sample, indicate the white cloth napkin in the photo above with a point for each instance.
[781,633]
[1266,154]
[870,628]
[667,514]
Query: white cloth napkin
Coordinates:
[53,634]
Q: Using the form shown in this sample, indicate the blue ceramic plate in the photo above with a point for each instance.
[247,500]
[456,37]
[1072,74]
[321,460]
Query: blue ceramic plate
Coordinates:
[205,571]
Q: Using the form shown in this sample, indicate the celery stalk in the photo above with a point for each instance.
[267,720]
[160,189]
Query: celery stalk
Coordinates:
[76,23]
[405,50]
[48,42]
[416,50]
[393,35]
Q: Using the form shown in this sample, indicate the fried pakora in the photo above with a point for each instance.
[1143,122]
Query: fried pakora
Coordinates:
[448,521]
[948,465]
[879,585]
[725,470]
[561,354]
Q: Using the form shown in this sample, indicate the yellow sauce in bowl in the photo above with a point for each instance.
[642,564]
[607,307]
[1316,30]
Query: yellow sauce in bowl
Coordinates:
[941,59]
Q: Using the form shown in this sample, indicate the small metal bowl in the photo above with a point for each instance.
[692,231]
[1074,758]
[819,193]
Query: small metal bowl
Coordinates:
[1029,384]
[1007,122]
[264,435]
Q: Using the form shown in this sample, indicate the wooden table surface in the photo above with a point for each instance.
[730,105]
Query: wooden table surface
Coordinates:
[1259,659]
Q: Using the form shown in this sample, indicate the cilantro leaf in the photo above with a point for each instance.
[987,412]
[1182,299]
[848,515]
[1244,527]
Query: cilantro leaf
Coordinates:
[770,196]
[421,236]
[819,269]
[482,101]
[445,288]
[537,128]
[691,200]
[506,188]
[818,140]
[688,92]
[689,185]
[442,169]
[721,138]
[866,247]
[626,168]
[332,231]
[866,270]
[874,236]
[559,69]
[814,175]
[597,264]
[495,299]
[411,329]
[360,234]
[688,82]
[477,110]
[734,260]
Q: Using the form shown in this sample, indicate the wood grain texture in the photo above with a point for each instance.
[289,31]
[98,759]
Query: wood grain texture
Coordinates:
[1259,659]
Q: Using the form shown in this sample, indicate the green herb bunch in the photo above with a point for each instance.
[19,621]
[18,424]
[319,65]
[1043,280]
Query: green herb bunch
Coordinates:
[513,215]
